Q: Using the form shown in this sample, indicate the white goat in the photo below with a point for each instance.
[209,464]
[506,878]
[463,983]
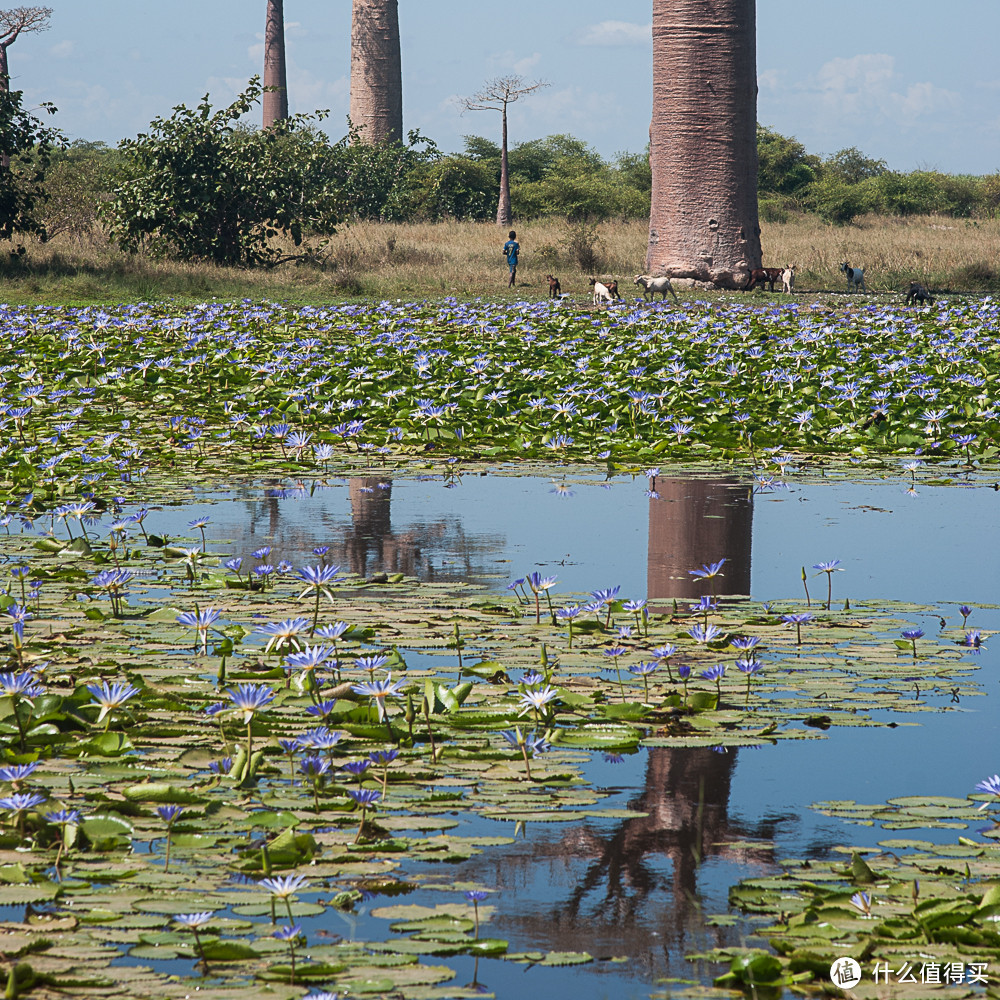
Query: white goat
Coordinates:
[601,292]
[788,279]
[650,286]
[855,278]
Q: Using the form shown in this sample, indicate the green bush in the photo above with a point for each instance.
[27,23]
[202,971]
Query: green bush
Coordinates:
[453,187]
[78,180]
[373,179]
[836,201]
[783,165]
[199,186]
[26,144]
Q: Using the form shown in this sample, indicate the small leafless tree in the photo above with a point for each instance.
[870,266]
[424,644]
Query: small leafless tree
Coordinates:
[495,96]
[14,22]
[274,102]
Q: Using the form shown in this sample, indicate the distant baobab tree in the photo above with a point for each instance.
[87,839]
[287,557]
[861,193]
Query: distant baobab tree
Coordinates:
[376,72]
[495,96]
[14,22]
[274,102]
[703,222]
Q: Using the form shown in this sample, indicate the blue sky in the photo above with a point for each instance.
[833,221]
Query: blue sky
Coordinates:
[917,85]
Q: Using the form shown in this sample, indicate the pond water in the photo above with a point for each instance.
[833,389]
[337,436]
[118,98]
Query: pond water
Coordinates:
[648,889]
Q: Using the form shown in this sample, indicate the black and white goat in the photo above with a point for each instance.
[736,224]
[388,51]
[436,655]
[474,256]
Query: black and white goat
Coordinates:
[855,278]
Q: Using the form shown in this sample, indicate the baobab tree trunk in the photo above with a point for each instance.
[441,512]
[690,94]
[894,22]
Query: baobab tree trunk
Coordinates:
[504,213]
[275,102]
[703,222]
[376,71]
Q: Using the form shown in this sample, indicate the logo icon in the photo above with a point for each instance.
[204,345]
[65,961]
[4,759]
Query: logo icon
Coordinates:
[845,973]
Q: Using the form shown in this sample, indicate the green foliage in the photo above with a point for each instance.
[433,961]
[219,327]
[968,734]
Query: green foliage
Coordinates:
[453,187]
[560,175]
[783,165]
[78,179]
[26,144]
[851,166]
[836,201]
[374,178]
[199,185]
[539,158]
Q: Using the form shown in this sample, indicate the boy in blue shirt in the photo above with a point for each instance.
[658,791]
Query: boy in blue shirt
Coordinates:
[510,249]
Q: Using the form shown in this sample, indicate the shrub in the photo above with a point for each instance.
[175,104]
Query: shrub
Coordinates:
[454,187]
[783,165]
[78,180]
[26,146]
[200,186]
[838,202]
[581,243]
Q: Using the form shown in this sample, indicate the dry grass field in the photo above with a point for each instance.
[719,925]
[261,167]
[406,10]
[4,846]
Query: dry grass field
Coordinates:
[463,259]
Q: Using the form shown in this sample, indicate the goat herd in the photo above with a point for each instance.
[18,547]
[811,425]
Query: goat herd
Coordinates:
[607,292]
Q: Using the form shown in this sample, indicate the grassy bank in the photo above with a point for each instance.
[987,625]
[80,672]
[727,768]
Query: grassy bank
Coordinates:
[370,260]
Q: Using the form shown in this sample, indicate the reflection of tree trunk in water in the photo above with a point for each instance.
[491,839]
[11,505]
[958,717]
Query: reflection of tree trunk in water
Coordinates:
[371,536]
[623,899]
[370,522]
[695,522]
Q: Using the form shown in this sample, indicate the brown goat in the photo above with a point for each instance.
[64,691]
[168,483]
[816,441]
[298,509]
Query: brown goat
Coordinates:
[761,274]
[554,287]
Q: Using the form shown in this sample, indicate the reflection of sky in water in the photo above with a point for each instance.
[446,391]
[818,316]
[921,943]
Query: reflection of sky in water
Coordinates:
[935,547]
[932,547]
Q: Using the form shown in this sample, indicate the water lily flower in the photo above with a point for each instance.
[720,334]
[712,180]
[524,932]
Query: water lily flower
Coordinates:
[16,773]
[798,620]
[708,571]
[529,744]
[537,700]
[643,670]
[540,584]
[250,698]
[284,886]
[318,580]
[863,901]
[829,568]
[746,644]
[378,691]
[320,738]
[194,921]
[110,697]
[973,638]
[201,621]
[284,634]
[913,634]
[705,633]
[991,786]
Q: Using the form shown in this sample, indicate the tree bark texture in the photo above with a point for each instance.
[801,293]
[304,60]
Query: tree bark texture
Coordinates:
[504,213]
[275,102]
[703,222]
[376,71]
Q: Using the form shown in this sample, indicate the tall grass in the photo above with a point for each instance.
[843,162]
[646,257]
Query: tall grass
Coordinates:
[463,259]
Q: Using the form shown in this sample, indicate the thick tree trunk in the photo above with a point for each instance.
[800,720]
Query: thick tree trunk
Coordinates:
[703,142]
[504,214]
[376,72]
[275,102]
